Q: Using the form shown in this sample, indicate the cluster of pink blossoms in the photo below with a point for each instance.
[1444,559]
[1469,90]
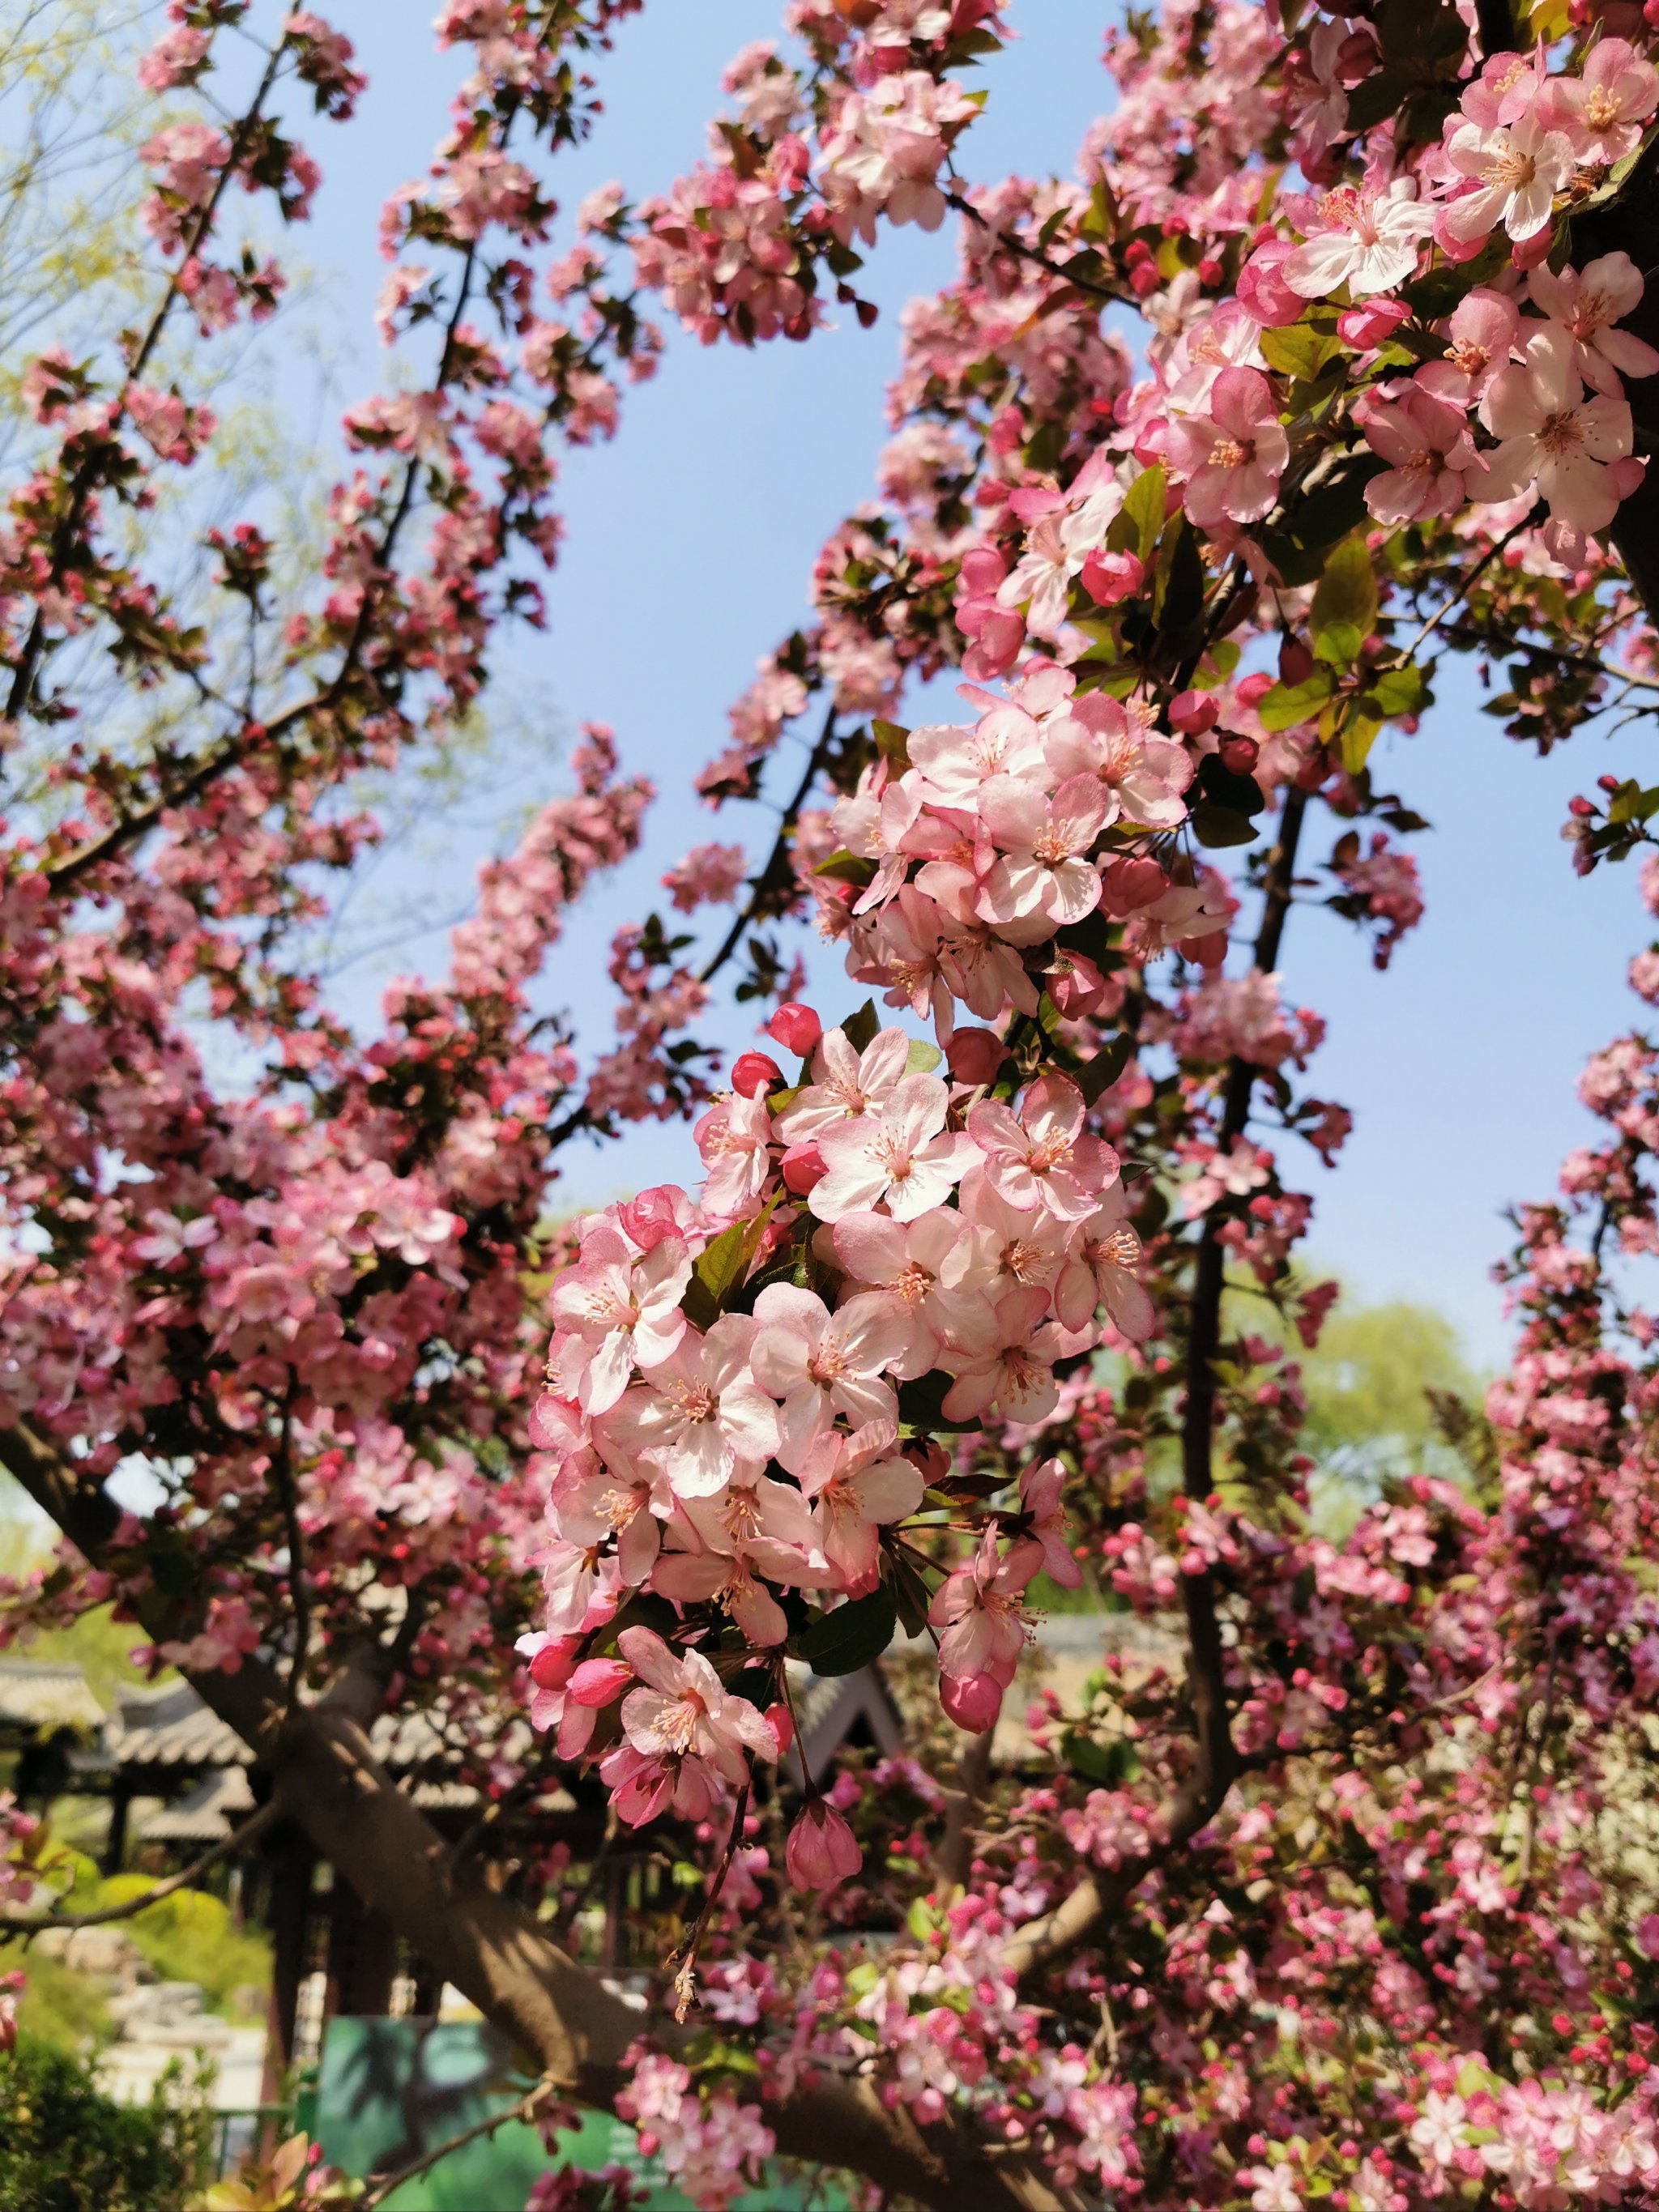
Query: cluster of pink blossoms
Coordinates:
[731,1391]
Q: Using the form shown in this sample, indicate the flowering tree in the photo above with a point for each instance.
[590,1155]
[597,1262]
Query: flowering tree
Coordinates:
[991,1275]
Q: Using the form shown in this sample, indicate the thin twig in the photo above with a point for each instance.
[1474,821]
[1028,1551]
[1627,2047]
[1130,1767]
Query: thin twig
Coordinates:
[685,1960]
[525,2109]
[26,1925]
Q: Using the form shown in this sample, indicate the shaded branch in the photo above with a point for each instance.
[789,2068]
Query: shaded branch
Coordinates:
[26,1924]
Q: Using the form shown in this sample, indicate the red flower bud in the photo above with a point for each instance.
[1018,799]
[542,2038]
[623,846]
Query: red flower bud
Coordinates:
[972,1701]
[754,1071]
[1127,886]
[975,1055]
[780,1720]
[802,1166]
[1296,661]
[1239,754]
[796,1028]
[1192,713]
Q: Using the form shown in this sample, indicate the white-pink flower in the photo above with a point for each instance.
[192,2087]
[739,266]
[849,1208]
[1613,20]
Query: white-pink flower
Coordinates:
[818,1364]
[1588,303]
[1015,1375]
[1043,1157]
[700,1414]
[1103,1272]
[682,1709]
[1233,457]
[844,1082]
[1516,171]
[1576,450]
[1430,454]
[1042,879]
[734,1137]
[978,1608]
[1603,112]
[858,1485]
[933,1272]
[1365,239]
[900,1157]
[623,1307]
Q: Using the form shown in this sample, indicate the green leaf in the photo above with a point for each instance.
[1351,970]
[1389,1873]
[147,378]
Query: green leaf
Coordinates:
[893,744]
[720,1267]
[1297,549]
[1298,352]
[845,866]
[911,1596]
[922,1057]
[1359,735]
[1178,593]
[1096,1077]
[1629,803]
[1219,825]
[922,1407]
[1398,691]
[1346,599]
[1109,1763]
[860,1028]
[1135,528]
[852,1635]
[1287,706]
[1339,645]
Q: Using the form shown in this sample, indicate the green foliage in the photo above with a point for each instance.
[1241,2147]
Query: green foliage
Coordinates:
[61,2007]
[190,1937]
[66,2146]
[1371,1415]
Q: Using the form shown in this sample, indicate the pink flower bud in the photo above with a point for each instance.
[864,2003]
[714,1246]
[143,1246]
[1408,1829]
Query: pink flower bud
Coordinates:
[1368,326]
[1192,713]
[982,569]
[1263,293]
[975,1055]
[1127,886]
[821,1851]
[796,1028]
[1250,691]
[1239,754]
[552,1668]
[781,1722]
[649,1217]
[1076,986]
[972,1701]
[597,1682]
[754,1071]
[1110,577]
[802,1166]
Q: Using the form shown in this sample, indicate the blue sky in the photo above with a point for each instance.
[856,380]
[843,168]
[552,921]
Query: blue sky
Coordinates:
[688,545]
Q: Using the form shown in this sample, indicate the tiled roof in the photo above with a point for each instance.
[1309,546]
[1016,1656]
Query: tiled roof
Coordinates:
[35,1694]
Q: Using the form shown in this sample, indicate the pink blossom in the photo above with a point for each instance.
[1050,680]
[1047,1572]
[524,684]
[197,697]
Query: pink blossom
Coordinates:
[1516,173]
[1482,332]
[845,1083]
[1366,239]
[978,1608]
[899,1157]
[1043,1521]
[624,1308]
[858,1485]
[818,1364]
[932,1271]
[1429,453]
[1602,111]
[1103,1273]
[700,1415]
[1573,448]
[1043,1159]
[1234,456]
[1043,880]
[1588,303]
